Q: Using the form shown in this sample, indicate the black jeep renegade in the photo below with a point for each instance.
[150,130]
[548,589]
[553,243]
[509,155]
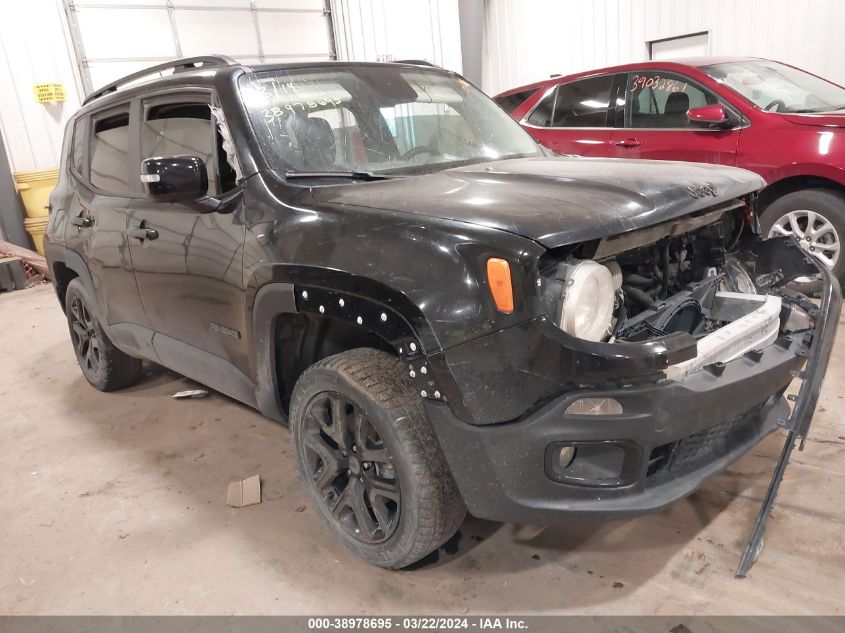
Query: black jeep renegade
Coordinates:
[447,316]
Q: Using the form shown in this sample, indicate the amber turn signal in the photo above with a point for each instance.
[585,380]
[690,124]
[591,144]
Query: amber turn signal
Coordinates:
[499,278]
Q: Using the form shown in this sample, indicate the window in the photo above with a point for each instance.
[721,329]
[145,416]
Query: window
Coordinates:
[541,116]
[777,87]
[583,103]
[175,129]
[385,119]
[77,151]
[511,102]
[660,100]
[110,153]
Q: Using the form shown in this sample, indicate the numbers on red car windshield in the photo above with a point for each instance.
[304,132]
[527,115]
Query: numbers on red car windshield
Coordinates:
[656,82]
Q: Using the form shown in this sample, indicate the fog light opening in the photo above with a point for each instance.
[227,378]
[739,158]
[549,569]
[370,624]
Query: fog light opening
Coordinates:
[565,457]
[594,406]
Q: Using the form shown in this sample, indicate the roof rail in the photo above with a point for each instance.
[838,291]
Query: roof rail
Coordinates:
[176,65]
[416,62]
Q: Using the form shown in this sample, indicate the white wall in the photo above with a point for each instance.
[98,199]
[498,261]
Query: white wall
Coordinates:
[389,30]
[33,49]
[528,40]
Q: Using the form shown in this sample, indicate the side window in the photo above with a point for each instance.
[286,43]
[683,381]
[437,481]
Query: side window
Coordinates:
[77,147]
[511,102]
[541,116]
[109,160]
[174,129]
[654,99]
[583,103]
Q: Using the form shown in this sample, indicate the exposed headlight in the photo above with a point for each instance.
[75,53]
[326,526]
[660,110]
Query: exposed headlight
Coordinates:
[588,300]
[737,277]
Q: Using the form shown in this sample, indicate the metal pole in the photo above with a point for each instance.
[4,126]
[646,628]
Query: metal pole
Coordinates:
[78,48]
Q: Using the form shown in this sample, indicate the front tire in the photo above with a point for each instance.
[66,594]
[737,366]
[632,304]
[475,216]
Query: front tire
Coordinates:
[369,461]
[816,217]
[102,364]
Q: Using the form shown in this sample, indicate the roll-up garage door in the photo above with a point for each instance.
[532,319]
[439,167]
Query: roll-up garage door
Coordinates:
[113,38]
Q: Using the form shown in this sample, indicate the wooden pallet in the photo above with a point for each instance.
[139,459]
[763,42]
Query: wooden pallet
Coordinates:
[38,263]
[12,274]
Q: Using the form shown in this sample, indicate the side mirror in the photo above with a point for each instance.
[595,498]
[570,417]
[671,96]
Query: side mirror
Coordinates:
[175,178]
[710,116]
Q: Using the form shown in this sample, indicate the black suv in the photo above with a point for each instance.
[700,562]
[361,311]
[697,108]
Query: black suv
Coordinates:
[447,316]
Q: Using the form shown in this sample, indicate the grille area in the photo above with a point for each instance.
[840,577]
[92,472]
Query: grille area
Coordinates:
[709,442]
[705,445]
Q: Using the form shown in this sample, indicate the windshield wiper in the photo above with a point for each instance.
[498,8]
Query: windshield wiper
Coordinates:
[352,175]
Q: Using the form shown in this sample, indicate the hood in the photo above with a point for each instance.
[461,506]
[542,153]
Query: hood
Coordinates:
[822,119]
[554,201]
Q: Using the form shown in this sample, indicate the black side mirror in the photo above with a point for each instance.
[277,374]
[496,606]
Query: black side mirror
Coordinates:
[175,178]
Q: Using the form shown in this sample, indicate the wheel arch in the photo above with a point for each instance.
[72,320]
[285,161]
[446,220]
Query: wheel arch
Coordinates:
[791,184]
[67,265]
[296,324]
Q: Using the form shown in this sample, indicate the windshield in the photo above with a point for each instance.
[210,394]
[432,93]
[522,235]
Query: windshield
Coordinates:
[779,88]
[377,119]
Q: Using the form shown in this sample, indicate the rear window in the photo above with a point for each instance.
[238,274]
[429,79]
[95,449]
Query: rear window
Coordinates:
[109,169]
[511,102]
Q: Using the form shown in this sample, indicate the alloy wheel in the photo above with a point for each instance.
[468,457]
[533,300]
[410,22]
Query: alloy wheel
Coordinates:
[83,333]
[815,233]
[349,465]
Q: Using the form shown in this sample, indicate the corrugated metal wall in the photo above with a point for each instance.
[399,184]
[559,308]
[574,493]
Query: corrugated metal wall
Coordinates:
[527,40]
[34,49]
[389,30]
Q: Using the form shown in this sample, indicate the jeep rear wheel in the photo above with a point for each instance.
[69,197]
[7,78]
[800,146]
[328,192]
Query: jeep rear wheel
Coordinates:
[102,364]
[369,460]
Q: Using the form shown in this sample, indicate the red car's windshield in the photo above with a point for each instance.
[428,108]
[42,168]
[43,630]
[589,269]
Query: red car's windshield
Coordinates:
[777,87]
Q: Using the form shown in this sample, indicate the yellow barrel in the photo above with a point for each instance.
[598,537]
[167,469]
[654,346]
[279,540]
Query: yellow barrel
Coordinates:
[36,227]
[35,188]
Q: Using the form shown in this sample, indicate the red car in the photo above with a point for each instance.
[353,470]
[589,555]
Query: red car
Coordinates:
[779,121]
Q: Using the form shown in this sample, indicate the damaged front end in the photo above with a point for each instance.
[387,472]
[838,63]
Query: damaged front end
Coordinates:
[657,358]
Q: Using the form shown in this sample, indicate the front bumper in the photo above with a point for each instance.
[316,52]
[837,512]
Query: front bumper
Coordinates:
[670,436]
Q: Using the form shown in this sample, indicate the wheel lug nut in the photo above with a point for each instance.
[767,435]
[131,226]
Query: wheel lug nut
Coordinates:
[354,449]
[366,464]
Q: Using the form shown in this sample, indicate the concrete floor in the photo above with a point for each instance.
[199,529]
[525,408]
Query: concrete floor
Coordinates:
[114,503]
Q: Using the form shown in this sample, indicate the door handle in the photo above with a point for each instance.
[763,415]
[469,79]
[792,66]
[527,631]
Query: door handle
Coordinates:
[141,233]
[82,222]
[629,142]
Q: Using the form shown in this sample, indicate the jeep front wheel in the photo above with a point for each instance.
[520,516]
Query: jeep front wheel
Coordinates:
[369,460]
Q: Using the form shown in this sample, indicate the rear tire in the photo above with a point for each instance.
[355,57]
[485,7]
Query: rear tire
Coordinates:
[102,364]
[815,213]
[368,458]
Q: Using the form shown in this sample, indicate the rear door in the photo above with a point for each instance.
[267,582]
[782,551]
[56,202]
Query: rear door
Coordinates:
[98,211]
[575,117]
[190,267]
[653,121]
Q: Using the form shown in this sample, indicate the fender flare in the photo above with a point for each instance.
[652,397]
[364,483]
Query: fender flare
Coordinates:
[351,299]
[73,261]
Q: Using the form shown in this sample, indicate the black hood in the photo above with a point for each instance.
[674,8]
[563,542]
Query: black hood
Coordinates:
[555,201]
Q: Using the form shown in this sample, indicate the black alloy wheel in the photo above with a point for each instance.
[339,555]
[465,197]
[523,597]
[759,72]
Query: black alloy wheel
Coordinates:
[83,333]
[351,468]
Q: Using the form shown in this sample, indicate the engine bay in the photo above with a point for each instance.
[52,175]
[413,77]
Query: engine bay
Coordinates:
[692,276]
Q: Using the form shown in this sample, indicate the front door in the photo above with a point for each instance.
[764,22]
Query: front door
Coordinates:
[653,122]
[189,262]
[574,117]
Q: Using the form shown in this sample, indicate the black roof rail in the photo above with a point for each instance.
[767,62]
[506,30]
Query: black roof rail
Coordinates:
[416,62]
[176,65]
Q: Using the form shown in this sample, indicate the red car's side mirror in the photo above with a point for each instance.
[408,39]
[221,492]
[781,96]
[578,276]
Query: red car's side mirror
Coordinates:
[712,116]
